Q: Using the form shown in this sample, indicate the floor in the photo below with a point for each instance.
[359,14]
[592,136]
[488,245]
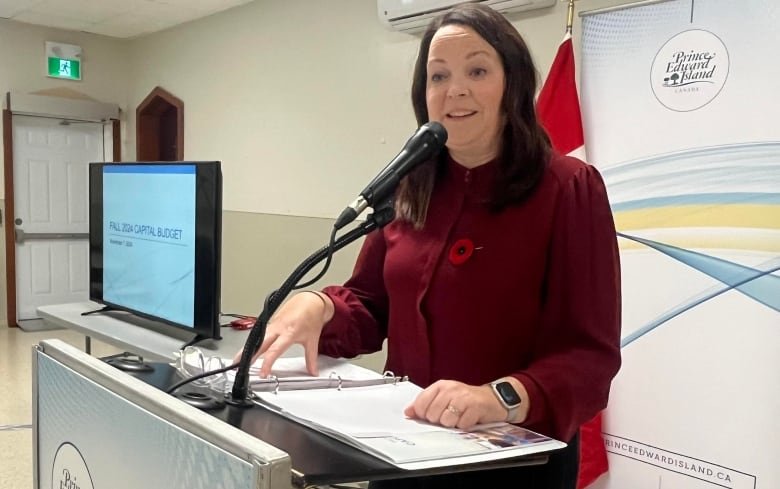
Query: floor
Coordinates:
[15,398]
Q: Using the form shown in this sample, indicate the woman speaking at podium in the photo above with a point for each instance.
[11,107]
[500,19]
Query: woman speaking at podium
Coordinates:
[497,287]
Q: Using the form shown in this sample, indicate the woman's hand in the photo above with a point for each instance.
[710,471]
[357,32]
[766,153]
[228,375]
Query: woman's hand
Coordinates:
[299,320]
[457,405]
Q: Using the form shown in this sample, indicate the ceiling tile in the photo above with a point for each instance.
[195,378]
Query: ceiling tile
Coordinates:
[210,6]
[86,10]
[117,18]
[130,25]
[9,8]
[179,13]
[51,21]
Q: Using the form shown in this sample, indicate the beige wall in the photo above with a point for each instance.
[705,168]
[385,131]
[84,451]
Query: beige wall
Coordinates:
[261,250]
[302,101]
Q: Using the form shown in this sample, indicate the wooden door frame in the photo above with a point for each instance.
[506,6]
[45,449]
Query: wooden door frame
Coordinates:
[8,172]
[147,111]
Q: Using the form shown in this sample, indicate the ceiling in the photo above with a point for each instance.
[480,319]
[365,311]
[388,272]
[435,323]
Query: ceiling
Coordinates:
[124,19]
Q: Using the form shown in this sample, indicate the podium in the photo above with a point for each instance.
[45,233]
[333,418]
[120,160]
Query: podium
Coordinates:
[95,426]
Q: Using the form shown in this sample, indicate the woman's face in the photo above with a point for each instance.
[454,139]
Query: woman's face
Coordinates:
[464,90]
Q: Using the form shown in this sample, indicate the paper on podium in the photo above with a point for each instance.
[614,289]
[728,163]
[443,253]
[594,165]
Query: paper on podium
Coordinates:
[371,418]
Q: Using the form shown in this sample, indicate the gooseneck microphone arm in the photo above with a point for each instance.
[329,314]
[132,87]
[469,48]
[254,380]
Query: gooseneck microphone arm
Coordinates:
[381,216]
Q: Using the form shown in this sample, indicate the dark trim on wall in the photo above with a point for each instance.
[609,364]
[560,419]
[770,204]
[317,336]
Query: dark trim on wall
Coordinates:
[10,249]
[155,118]
[117,144]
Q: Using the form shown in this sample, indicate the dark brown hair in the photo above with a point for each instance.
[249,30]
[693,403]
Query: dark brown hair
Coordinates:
[525,146]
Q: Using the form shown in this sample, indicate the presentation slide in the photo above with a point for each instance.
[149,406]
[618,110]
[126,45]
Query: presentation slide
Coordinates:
[149,239]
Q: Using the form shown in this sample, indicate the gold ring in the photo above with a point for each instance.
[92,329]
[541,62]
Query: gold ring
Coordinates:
[453,410]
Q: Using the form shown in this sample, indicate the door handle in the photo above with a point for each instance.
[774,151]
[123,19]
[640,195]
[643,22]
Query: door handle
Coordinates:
[20,236]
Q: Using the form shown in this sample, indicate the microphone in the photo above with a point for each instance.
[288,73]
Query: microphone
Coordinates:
[422,146]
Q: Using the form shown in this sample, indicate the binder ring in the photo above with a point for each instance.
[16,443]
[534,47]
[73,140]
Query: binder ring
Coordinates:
[390,375]
[338,377]
[275,379]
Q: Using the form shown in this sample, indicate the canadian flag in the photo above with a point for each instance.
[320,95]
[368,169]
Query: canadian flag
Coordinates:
[558,105]
[558,108]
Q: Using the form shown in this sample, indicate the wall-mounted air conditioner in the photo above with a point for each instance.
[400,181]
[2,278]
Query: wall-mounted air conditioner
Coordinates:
[414,15]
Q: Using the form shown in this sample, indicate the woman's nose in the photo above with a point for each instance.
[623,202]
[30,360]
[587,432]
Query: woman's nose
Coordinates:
[457,90]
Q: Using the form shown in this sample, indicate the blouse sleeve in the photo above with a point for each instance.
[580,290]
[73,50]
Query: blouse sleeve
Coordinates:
[359,323]
[577,351]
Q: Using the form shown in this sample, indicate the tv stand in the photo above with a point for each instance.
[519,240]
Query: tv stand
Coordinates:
[98,311]
[154,341]
[197,339]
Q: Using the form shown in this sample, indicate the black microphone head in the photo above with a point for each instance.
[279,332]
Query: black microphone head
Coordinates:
[438,131]
[424,144]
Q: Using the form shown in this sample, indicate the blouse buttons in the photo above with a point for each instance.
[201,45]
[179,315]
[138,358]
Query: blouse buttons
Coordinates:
[467,176]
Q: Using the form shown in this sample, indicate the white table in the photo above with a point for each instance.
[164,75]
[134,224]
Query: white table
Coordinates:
[149,339]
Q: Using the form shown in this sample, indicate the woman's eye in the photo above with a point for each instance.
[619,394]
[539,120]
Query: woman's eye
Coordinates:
[478,72]
[437,77]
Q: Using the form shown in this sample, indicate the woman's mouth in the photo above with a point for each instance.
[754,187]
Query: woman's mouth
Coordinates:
[460,114]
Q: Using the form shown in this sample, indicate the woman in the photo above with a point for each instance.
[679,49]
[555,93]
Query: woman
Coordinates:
[497,287]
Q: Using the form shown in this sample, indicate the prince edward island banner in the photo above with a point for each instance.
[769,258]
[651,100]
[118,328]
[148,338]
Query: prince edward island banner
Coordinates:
[681,100]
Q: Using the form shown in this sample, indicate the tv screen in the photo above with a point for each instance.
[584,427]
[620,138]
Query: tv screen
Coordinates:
[154,239]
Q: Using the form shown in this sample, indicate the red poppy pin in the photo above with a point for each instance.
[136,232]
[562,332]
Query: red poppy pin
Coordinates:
[461,251]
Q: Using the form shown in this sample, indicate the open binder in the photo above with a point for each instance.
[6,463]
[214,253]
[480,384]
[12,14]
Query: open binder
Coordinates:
[289,373]
[365,410]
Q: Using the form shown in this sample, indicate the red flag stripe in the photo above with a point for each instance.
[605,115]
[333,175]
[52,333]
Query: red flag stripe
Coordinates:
[558,105]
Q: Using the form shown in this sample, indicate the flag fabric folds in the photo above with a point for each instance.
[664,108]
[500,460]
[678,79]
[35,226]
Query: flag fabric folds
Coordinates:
[558,108]
[558,105]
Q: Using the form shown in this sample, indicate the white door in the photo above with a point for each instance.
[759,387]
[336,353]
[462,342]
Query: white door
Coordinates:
[51,210]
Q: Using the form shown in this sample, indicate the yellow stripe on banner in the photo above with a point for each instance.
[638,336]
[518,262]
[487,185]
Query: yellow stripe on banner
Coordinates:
[718,215]
[694,241]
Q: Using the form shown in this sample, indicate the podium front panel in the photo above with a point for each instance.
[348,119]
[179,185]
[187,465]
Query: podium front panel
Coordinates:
[88,436]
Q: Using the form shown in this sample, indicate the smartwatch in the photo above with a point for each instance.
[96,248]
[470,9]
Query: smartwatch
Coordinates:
[507,396]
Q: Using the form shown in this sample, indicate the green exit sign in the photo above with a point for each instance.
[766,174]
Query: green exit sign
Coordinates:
[65,68]
[63,61]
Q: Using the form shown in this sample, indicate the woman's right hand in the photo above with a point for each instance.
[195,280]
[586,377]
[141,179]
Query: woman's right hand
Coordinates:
[299,320]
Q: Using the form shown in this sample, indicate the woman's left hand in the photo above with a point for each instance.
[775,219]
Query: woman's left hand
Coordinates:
[455,404]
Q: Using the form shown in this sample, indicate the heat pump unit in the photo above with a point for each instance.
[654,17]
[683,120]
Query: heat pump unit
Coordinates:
[413,15]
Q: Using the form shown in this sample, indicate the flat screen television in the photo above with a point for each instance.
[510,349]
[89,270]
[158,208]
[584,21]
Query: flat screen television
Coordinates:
[155,241]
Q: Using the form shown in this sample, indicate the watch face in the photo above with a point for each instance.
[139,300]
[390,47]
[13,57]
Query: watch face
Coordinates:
[507,393]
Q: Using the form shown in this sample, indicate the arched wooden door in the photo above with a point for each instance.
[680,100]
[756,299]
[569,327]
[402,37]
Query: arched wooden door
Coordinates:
[160,127]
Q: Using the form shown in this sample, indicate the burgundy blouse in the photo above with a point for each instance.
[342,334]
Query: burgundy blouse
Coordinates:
[532,291]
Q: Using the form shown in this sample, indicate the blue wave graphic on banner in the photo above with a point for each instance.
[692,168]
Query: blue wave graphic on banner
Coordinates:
[757,283]
[729,174]
[699,199]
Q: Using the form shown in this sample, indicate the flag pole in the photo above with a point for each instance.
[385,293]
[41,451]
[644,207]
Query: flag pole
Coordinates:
[570,17]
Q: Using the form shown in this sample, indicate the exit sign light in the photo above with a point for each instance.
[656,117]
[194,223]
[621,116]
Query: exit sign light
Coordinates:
[63,61]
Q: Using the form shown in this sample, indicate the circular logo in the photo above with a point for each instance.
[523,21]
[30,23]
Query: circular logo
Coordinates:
[69,470]
[689,70]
